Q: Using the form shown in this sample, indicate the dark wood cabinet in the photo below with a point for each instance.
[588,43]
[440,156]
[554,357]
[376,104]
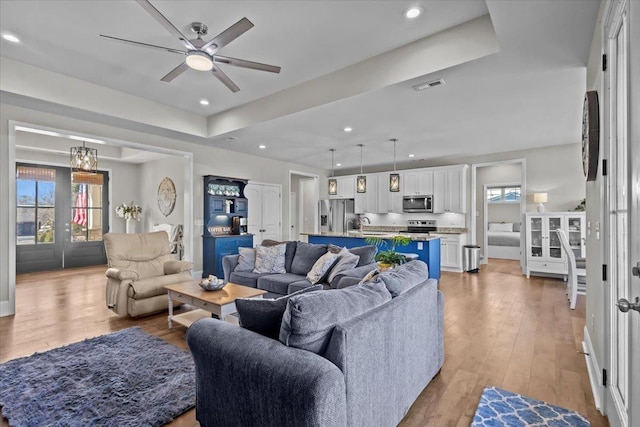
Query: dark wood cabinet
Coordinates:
[223,200]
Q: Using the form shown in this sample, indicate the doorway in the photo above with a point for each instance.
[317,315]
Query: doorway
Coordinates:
[60,218]
[303,204]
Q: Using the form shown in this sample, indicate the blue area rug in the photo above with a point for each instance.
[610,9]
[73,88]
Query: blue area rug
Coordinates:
[127,378]
[501,408]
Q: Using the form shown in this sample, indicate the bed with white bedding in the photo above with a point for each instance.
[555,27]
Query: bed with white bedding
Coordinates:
[503,240]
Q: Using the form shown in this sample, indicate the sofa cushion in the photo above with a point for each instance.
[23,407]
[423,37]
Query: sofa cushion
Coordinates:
[320,270]
[367,254]
[404,277]
[346,261]
[310,318]
[270,259]
[264,316]
[246,260]
[288,254]
[302,284]
[246,278]
[278,283]
[306,255]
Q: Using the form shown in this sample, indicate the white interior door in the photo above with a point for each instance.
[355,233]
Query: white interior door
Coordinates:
[271,212]
[253,193]
[621,205]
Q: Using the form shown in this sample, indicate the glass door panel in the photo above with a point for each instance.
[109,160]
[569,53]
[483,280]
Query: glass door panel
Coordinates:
[555,248]
[535,231]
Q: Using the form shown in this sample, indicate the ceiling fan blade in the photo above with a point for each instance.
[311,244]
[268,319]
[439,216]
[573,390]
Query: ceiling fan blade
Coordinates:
[152,46]
[224,79]
[175,72]
[165,23]
[245,64]
[228,35]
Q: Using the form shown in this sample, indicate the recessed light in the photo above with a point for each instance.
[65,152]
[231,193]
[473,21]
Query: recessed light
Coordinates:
[262,147]
[413,12]
[412,155]
[347,129]
[338,164]
[11,38]
[204,102]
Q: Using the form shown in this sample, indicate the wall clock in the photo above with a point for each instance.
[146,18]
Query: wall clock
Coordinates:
[166,196]
[590,135]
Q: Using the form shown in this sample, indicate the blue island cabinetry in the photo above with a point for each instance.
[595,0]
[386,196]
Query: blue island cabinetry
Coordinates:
[429,252]
[224,205]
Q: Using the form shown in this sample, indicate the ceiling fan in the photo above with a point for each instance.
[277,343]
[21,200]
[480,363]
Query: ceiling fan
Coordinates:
[201,55]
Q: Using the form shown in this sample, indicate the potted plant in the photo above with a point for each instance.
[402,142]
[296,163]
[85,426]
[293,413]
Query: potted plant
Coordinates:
[389,258]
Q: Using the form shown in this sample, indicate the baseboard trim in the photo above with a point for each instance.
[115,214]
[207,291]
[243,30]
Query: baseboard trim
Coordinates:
[593,368]
[5,309]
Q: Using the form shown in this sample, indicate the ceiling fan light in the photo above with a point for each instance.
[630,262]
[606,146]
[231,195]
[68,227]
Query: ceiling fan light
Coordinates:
[199,61]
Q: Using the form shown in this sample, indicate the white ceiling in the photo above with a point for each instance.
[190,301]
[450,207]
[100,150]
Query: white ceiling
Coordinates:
[527,95]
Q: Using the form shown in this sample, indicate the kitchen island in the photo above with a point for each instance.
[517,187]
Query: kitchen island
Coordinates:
[425,246]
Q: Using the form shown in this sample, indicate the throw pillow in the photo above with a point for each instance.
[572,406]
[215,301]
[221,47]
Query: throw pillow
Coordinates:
[370,276]
[367,254]
[346,261]
[264,316]
[306,255]
[309,319]
[289,253]
[404,277]
[270,259]
[247,259]
[321,267]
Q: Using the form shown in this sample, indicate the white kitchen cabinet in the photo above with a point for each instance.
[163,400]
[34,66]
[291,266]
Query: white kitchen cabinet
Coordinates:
[449,190]
[544,251]
[387,201]
[346,188]
[451,251]
[418,182]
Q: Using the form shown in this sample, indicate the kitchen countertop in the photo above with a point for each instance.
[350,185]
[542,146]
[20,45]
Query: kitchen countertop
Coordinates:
[419,237]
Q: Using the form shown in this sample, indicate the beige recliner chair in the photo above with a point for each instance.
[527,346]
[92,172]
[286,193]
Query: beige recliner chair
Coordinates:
[140,265]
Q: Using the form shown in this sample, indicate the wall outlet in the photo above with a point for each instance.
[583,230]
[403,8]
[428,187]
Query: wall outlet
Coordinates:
[420,246]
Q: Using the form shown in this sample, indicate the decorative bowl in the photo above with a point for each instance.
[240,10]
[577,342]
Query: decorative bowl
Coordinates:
[212,285]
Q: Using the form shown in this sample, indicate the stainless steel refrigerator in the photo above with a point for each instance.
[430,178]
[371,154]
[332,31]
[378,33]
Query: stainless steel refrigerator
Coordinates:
[337,215]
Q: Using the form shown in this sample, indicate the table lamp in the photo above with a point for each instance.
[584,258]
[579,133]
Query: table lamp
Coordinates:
[540,198]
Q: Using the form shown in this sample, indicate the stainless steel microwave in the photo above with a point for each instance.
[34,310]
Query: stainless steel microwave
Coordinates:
[417,203]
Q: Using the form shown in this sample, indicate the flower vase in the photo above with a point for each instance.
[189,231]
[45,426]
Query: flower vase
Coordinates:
[131,226]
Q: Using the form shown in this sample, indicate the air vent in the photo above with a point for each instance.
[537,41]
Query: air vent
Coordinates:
[423,86]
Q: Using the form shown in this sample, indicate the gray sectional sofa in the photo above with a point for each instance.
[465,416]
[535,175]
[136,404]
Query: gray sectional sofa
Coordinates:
[299,258]
[357,356]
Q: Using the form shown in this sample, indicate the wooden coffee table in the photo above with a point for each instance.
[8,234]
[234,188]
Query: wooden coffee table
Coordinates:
[219,303]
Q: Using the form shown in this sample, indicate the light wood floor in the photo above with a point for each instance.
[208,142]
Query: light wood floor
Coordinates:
[501,329]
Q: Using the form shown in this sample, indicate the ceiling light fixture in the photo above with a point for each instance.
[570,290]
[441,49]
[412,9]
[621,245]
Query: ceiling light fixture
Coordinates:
[262,147]
[204,102]
[11,38]
[413,12]
[333,183]
[338,164]
[199,60]
[394,178]
[361,180]
[412,155]
[347,129]
[84,159]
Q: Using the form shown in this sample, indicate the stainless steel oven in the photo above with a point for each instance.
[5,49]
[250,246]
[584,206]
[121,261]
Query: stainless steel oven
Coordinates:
[417,203]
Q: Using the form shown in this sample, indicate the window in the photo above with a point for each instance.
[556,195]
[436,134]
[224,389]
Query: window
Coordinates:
[507,194]
[86,207]
[35,205]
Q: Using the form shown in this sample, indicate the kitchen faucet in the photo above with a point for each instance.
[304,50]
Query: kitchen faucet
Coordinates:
[361,219]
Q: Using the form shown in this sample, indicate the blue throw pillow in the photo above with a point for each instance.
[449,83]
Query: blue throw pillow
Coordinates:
[309,319]
[264,316]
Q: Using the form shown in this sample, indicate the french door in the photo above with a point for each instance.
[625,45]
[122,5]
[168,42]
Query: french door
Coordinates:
[623,220]
[60,218]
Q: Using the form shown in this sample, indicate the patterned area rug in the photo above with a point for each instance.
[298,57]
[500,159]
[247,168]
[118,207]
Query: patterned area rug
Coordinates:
[503,408]
[127,378]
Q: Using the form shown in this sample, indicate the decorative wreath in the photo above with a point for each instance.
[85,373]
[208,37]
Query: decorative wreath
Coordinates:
[166,196]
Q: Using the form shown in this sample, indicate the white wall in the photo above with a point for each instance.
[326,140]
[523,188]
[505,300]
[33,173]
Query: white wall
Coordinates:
[152,174]
[309,204]
[207,160]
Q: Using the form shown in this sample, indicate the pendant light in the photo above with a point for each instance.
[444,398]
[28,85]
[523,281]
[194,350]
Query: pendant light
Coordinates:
[333,183]
[361,180]
[84,159]
[394,178]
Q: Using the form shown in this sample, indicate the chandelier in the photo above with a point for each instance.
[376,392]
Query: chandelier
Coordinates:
[84,159]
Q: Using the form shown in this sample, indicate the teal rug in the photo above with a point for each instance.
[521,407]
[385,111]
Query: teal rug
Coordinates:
[501,408]
[126,378]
